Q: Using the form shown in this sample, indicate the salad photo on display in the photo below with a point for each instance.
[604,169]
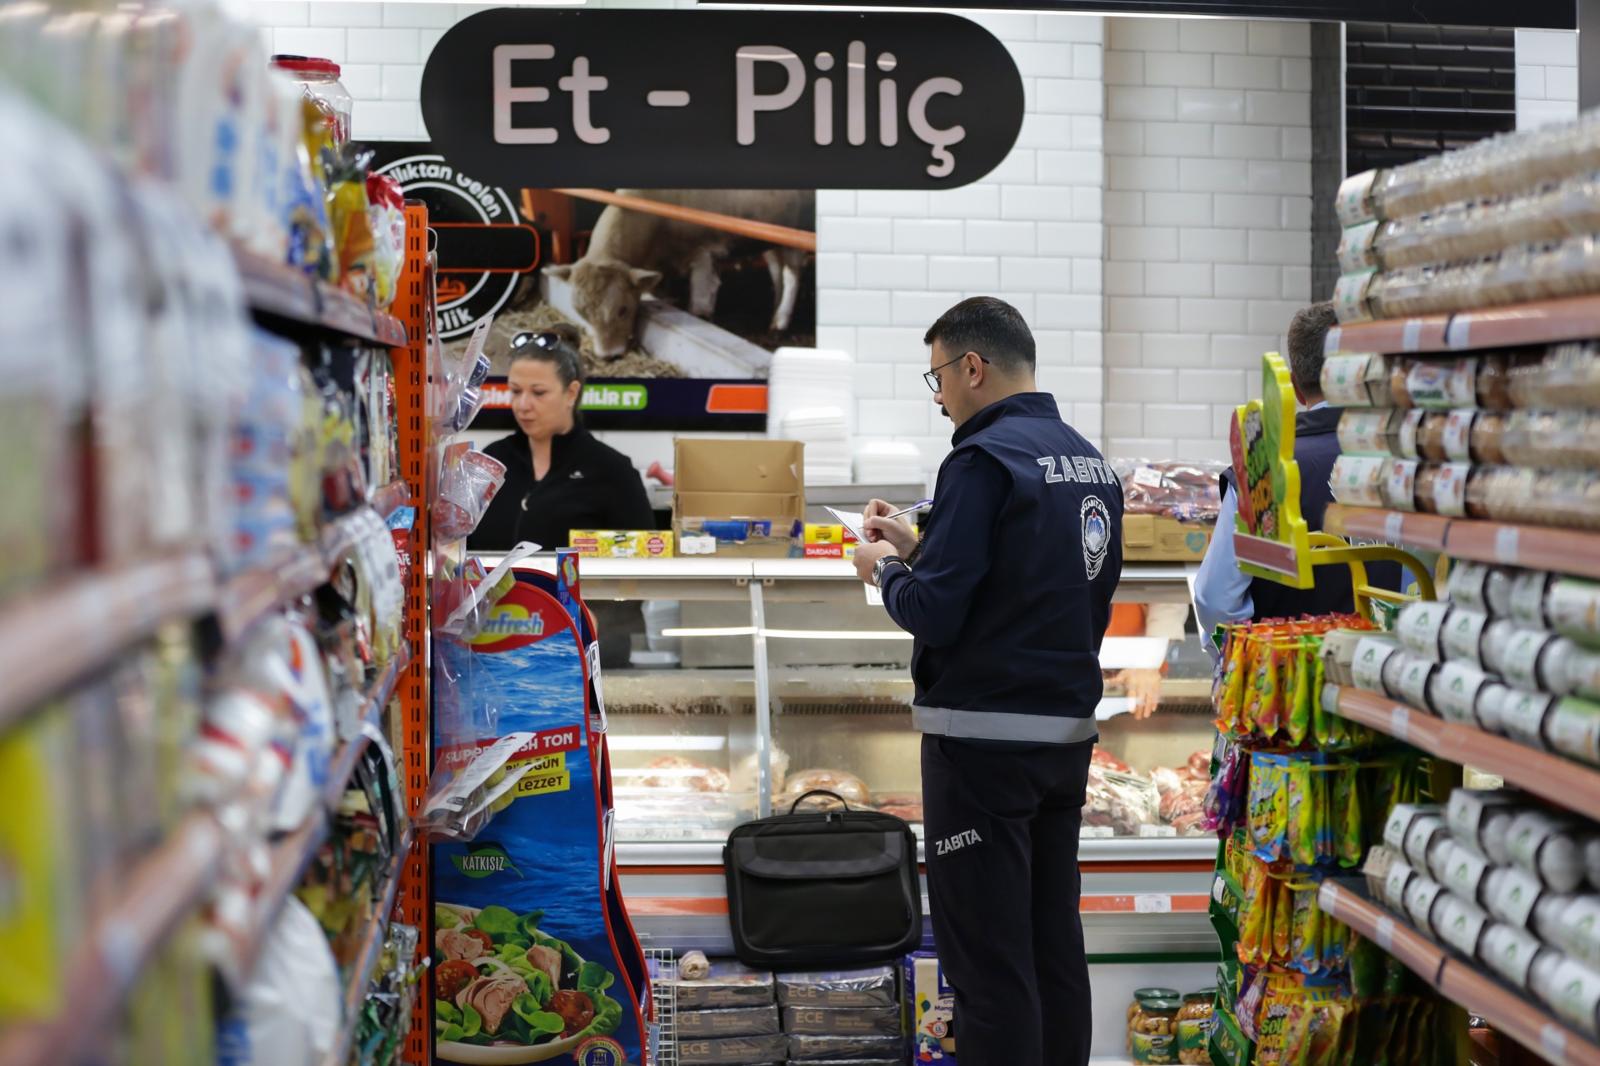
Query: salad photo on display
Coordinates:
[505,992]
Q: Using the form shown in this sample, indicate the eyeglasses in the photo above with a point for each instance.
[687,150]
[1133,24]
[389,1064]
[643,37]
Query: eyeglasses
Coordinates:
[932,376]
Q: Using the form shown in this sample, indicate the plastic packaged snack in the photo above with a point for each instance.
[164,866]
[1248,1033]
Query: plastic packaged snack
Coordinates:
[349,219]
[1510,952]
[871,987]
[1407,445]
[1420,628]
[467,484]
[1460,923]
[1400,484]
[386,215]
[1466,874]
[1522,716]
[1359,480]
[1442,489]
[1481,586]
[1463,636]
[1345,379]
[1460,692]
[1421,893]
[1480,819]
[1513,895]
[1572,728]
[1368,431]
[1351,296]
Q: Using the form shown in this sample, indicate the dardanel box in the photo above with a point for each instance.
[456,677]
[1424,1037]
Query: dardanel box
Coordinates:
[829,542]
[749,494]
[930,1010]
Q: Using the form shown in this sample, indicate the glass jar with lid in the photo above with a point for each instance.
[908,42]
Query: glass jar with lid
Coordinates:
[1152,1035]
[1136,1009]
[319,80]
[1194,1027]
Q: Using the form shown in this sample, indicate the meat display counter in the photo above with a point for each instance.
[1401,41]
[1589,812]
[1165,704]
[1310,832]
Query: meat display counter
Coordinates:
[732,687]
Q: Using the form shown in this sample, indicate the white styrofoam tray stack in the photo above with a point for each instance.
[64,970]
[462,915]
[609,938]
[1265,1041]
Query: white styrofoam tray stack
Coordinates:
[887,462]
[810,397]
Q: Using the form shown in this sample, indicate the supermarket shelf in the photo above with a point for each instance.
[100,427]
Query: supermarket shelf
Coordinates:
[371,946]
[164,888]
[1567,551]
[67,630]
[283,292]
[1559,780]
[291,855]
[1459,980]
[1538,322]
[344,763]
[252,595]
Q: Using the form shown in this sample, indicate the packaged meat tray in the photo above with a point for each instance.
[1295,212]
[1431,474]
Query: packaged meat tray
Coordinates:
[872,987]
[728,1021]
[860,1021]
[1183,490]
[817,1049]
[733,1051]
[731,984]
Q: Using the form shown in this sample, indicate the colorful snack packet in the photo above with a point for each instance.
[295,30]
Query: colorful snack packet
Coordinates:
[1269,805]
[1347,816]
[1300,784]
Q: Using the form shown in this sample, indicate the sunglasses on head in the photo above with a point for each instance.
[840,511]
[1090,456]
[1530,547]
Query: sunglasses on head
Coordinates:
[548,339]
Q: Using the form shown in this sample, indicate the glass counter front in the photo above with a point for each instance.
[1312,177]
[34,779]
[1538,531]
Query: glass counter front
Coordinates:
[733,689]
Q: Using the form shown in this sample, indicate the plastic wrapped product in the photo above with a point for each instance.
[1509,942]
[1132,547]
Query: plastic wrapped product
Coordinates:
[1572,990]
[1395,882]
[1463,636]
[1351,296]
[872,987]
[1513,895]
[1421,626]
[1459,691]
[1345,379]
[1359,480]
[1403,817]
[1510,952]
[733,1051]
[1573,728]
[1467,874]
[1479,820]
[1534,659]
[1436,852]
[1442,489]
[1439,384]
[1547,847]
[859,1021]
[1573,609]
[732,1021]
[288,1015]
[1480,586]
[1356,201]
[1460,924]
[1400,484]
[1421,893]
[1523,715]
[1414,681]
[1368,431]
[1486,439]
[729,984]
[1567,376]
[807,1048]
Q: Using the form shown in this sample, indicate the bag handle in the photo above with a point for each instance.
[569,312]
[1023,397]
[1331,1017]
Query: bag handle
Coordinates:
[818,792]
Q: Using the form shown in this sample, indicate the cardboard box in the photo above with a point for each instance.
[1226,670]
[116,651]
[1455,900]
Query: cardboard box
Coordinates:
[1150,538]
[622,544]
[751,492]
[930,1010]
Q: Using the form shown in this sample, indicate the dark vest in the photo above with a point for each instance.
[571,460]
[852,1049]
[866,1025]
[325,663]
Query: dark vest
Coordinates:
[1316,447]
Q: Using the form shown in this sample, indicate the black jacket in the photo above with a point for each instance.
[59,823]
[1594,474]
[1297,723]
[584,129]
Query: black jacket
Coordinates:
[588,486]
[1009,593]
[1316,448]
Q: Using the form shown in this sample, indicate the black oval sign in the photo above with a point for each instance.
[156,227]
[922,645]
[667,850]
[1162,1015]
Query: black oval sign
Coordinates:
[705,100]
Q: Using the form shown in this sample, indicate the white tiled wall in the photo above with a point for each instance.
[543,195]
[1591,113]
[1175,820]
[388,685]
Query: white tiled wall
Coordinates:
[1547,77]
[1208,221]
[890,262]
[1031,233]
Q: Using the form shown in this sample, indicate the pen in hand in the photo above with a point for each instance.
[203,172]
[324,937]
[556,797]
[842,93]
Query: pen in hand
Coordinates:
[919,505]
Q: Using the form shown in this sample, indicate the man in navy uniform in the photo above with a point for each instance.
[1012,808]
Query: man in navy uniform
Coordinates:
[1223,594]
[1007,596]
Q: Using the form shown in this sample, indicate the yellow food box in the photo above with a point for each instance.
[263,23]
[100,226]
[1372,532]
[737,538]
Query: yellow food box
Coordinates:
[825,541]
[622,544]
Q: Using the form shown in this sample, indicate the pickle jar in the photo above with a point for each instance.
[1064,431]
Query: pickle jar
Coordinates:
[1154,1038]
[1194,1027]
[1141,996]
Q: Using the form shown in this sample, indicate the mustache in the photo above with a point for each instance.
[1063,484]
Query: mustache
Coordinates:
[944,410]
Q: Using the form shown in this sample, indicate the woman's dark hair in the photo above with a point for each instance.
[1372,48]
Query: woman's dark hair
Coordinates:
[557,345]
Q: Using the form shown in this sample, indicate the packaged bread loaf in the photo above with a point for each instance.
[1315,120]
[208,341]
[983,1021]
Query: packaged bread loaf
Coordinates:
[843,785]
[1480,586]
[1442,488]
[1359,479]
[1358,248]
[1458,691]
[1566,376]
[1480,820]
[1408,434]
[1344,379]
[1548,847]
[1400,484]
[1350,297]
[1368,431]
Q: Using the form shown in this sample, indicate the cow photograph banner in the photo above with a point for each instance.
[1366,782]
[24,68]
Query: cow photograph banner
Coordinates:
[680,295]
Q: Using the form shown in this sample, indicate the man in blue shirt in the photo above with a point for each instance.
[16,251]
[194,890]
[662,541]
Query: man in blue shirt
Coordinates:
[1007,596]
[1223,594]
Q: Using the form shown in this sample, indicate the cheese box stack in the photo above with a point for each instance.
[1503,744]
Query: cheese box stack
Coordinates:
[846,1015]
[728,1018]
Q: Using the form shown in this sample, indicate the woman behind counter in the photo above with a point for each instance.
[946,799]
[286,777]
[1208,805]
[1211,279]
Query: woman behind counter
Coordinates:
[558,477]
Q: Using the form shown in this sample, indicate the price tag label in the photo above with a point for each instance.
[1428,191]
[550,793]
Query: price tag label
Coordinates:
[1096,832]
[1506,543]
[1393,526]
[1553,1043]
[1149,831]
[1383,935]
[1458,333]
[1411,335]
[1219,888]
[1400,723]
[1152,904]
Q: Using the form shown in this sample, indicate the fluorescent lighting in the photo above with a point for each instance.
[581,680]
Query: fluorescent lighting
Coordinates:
[836,634]
[664,743]
[709,631]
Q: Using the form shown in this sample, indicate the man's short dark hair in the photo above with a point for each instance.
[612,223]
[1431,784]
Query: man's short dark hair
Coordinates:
[992,328]
[1308,334]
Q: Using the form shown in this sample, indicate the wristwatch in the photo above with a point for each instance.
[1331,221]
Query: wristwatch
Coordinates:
[878,567]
